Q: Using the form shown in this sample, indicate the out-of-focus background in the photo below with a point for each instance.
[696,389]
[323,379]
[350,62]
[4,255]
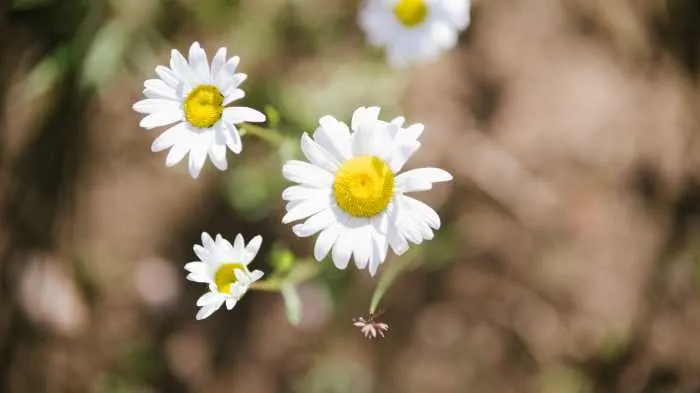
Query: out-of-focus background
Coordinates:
[569,260]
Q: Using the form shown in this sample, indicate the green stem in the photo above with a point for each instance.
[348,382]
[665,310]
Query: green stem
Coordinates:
[390,274]
[303,272]
[268,286]
[269,135]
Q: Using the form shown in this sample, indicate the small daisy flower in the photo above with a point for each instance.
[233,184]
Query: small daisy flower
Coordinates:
[352,191]
[369,327]
[224,267]
[413,30]
[193,96]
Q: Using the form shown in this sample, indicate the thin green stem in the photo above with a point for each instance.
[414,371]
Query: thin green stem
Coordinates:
[303,272]
[267,285]
[389,275]
[269,135]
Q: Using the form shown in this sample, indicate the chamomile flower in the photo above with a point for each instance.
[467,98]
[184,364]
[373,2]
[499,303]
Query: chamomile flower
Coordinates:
[224,267]
[352,191]
[193,96]
[414,30]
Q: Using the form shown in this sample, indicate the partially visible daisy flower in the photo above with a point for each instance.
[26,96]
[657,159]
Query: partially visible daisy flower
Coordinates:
[224,267]
[352,190]
[369,327]
[194,96]
[414,30]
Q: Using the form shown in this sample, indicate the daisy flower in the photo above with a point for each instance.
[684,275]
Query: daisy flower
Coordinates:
[224,267]
[352,191]
[194,96]
[413,30]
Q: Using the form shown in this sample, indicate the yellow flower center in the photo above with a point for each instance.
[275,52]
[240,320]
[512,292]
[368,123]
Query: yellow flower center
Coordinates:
[411,12]
[363,186]
[204,106]
[225,277]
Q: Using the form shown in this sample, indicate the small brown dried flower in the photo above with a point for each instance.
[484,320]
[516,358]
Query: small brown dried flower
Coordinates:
[370,327]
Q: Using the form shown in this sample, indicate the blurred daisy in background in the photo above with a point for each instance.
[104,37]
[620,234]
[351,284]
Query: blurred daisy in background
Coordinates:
[351,190]
[194,96]
[414,30]
[224,267]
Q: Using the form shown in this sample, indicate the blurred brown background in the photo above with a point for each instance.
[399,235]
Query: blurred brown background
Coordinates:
[569,260]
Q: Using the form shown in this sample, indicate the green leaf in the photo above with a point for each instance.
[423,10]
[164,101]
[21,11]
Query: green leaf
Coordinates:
[292,303]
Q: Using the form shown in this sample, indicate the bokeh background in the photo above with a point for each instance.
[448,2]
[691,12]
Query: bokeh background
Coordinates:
[569,260]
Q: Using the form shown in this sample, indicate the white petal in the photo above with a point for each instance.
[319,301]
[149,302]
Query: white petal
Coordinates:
[163,117]
[196,277]
[231,64]
[410,230]
[357,118]
[167,76]
[398,121]
[198,155]
[373,267]
[425,212]
[198,272]
[307,174]
[238,243]
[306,208]
[238,78]
[217,64]
[397,242]
[202,253]
[334,136]
[413,132]
[342,250]
[178,151]
[198,63]
[241,277]
[179,66]
[251,250]
[364,117]
[381,222]
[420,179]
[402,154]
[232,94]
[195,267]
[209,309]
[443,35]
[380,246]
[315,223]
[208,298]
[317,155]
[325,241]
[233,138]
[217,155]
[297,192]
[363,247]
[231,303]
[225,251]
[207,241]
[364,122]
[169,137]
[255,275]
[239,114]
[157,88]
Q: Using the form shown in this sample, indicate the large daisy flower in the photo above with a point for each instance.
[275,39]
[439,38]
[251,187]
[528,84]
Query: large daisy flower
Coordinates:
[352,191]
[414,30]
[194,96]
[224,267]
